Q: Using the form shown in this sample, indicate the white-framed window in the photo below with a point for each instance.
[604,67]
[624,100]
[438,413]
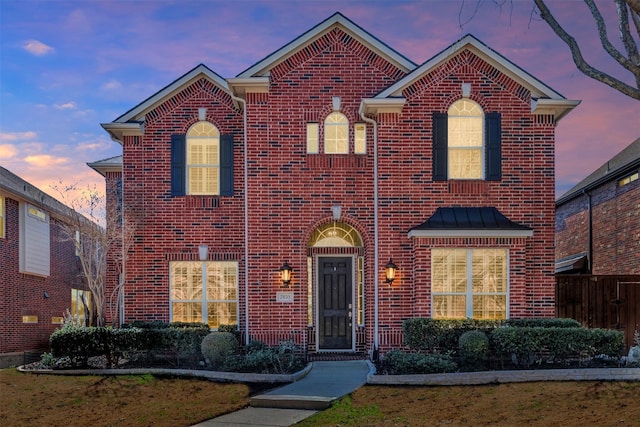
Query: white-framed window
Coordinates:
[336,134]
[465,137]
[203,159]
[81,305]
[205,292]
[34,241]
[360,138]
[313,135]
[3,215]
[469,283]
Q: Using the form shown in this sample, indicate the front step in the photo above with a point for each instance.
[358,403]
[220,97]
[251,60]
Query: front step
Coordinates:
[287,401]
[330,357]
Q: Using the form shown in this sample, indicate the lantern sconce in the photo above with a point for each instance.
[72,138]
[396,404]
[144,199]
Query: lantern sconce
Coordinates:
[203,252]
[285,274]
[390,271]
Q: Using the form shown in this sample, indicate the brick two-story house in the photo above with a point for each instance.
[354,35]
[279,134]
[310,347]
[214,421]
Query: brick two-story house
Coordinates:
[40,274]
[279,200]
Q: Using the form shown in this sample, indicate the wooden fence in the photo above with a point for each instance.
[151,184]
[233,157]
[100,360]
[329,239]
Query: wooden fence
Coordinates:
[610,302]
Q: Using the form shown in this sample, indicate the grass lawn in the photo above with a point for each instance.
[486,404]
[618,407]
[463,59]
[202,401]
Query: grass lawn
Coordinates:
[565,404]
[145,400]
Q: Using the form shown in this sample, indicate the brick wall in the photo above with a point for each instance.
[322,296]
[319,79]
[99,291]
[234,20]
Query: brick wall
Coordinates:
[23,294]
[615,224]
[291,193]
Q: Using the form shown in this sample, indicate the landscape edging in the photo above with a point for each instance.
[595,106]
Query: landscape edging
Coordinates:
[500,377]
[210,375]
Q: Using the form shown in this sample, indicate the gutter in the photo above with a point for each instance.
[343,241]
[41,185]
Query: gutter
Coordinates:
[246,215]
[589,231]
[375,225]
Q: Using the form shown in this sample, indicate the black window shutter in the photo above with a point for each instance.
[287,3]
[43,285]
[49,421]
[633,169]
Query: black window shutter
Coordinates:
[440,149]
[493,141]
[226,165]
[178,165]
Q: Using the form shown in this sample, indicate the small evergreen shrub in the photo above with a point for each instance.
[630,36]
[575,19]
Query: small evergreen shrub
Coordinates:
[397,362]
[217,347]
[473,347]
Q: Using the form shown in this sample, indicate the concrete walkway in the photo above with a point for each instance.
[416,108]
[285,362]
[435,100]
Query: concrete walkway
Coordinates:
[292,403]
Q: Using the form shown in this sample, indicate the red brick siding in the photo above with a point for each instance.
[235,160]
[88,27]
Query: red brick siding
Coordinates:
[291,193]
[23,294]
[615,224]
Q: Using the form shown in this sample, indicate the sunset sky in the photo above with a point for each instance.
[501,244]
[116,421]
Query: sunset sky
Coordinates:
[67,66]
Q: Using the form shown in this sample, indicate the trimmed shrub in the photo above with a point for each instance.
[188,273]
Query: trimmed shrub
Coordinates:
[437,335]
[397,362]
[217,347]
[543,323]
[473,347]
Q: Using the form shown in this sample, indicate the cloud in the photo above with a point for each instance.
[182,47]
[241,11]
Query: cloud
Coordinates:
[46,160]
[66,106]
[111,85]
[17,136]
[37,48]
[8,151]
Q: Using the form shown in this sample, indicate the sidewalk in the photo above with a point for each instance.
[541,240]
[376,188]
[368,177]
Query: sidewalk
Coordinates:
[292,403]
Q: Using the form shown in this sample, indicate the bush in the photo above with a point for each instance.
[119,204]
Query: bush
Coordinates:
[473,347]
[396,362]
[81,343]
[437,335]
[217,347]
[543,323]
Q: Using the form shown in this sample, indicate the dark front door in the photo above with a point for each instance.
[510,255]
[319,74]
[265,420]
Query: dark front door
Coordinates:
[335,303]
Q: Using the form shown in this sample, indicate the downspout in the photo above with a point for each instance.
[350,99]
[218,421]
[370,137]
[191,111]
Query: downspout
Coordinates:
[589,232]
[375,225]
[246,217]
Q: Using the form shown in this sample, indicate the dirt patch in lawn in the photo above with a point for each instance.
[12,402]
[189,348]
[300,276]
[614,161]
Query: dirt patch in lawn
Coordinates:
[141,400]
[535,404]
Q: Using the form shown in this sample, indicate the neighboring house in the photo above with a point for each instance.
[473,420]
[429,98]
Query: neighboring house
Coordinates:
[40,274]
[598,220]
[280,200]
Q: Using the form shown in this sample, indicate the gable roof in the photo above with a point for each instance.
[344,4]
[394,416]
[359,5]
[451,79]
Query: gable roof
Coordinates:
[337,20]
[545,100]
[131,122]
[469,222]
[112,164]
[625,162]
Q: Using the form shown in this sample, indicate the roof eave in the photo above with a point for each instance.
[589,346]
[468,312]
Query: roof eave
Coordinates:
[557,107]
[240,86]
[118,131]
[459,232]
[374,106]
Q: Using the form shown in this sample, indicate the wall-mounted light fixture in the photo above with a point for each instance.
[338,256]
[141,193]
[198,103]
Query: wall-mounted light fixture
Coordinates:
[203,252]
[390,271]
[285,274]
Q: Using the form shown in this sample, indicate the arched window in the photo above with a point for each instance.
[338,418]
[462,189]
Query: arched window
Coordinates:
[465,140]
[336,134]
[203,159]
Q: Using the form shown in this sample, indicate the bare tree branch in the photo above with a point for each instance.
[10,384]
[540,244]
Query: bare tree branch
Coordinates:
[634,5]
[579,60]
[627,40]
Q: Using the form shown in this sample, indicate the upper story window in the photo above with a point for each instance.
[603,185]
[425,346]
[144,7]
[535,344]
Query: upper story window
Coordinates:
[467,143]
[465,140]
[202,162]
[34,241]
[203,159]
[336,134]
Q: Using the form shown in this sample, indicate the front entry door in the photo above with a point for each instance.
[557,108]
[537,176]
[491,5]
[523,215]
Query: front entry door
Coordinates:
[335,303]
